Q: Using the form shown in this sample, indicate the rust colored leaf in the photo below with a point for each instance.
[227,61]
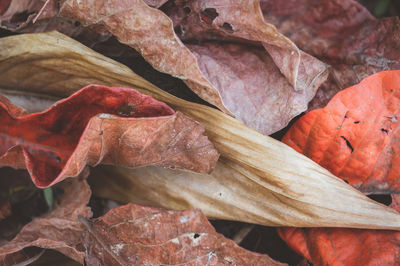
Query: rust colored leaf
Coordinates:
[139,235]
[341,33]
[264,83]
[59,229]
[102,124]
[356,135]
[342,246]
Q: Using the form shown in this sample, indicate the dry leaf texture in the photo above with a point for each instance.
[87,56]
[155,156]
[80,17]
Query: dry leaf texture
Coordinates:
[138,235]
[102,124]
[242,80]
[356,135]
[341,33]
[294,185]
[59,229]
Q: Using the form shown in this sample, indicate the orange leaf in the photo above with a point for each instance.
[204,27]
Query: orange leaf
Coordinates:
[356,135]
[101,124]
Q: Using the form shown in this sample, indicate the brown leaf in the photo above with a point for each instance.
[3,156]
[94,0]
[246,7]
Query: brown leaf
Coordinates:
[293,184]
[239,79]
[139,235]
[102,124]
[60,228]
[341,33]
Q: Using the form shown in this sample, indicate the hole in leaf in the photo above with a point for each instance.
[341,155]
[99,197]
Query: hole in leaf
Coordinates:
[356,122]
[348,143]
[196,236]
[346,181]
[227,27]
[178,30]
[381,198]
[384,130]
[208,15]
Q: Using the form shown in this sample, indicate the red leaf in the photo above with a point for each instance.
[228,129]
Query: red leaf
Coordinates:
[341,33]
[102,124]
[59,229]
[138,235]
[356,135]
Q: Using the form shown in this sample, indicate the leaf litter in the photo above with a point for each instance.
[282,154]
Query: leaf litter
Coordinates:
[228,28]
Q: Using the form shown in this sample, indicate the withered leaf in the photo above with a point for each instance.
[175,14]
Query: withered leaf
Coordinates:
[356,135]
[341,33]
[243,80]
[139,235]
[305,190]
[102,124]
[60,228]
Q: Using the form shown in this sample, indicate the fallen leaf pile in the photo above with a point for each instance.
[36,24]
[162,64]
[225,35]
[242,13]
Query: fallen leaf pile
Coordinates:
[259,64]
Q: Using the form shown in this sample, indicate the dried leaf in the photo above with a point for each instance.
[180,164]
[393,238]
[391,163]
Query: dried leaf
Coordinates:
[343,34]
[241,80]
[139,235]
[60,228]
[300,187]
[102,124]
[356,135]
[342,246]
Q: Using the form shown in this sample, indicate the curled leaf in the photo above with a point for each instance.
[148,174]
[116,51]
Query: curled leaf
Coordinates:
[60,228]
[242,80]
[102,124]
[356,135]
[293,183]
[343,34]
[138,235]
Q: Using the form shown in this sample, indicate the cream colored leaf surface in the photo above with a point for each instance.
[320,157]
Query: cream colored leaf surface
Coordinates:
[263,180]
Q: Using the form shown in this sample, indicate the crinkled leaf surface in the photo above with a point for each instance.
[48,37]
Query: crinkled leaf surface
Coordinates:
[356,135]
[102,124]
[300,187]
[139,235]
[59,229]
[341,33]
[342,246]
[264,84]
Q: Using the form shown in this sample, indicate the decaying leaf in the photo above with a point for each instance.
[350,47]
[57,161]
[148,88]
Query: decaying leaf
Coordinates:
[60,228]
[304,194]
[356,135]
[342,246]
[341,33]
[263,85]
[102,124]
[139,235]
